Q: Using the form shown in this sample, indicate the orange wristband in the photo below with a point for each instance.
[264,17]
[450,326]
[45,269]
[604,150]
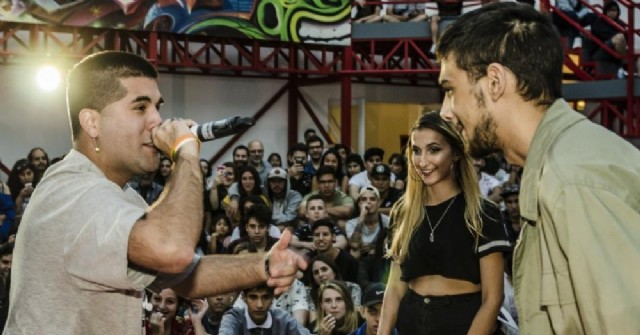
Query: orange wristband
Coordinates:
[180,141]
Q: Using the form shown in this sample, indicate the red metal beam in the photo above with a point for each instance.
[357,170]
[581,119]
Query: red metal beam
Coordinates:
[256,116]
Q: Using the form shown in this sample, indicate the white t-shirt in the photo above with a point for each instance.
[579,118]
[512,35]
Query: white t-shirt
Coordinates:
[361,179]
[487,183]
[368,235]
[70,273]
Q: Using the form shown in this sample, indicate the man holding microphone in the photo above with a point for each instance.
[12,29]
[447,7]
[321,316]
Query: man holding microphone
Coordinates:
[88,244]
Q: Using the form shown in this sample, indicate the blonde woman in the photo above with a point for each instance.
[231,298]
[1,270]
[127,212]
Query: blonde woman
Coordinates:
[447,242]
[336,313]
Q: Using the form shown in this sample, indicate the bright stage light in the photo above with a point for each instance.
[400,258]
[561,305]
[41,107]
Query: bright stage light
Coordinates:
[48,78]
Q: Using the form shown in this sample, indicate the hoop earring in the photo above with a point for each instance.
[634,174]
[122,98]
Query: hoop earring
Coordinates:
[96,148]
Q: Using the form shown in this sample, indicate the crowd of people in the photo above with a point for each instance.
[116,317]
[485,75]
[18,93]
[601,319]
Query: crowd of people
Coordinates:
[323,240]
[335,202]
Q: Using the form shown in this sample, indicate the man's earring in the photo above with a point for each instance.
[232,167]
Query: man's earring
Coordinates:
[95,145]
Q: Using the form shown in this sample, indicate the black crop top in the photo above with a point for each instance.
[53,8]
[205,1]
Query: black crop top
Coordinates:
[452,253]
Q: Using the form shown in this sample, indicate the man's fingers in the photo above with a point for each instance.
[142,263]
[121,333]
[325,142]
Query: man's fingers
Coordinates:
[285,239]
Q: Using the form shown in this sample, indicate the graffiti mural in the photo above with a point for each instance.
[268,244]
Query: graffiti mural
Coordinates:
[300,21]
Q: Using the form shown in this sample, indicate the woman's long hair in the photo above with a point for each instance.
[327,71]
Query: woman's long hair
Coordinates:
[256,190]
[14,183]
[339,173]
[349,323]
[408,212]
[330,263]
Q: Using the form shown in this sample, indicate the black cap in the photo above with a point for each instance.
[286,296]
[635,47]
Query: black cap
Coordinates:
[381,169]
[373,294]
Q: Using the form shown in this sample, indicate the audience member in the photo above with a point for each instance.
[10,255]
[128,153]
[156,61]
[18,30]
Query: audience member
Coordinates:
[248,182]
[240,156]
[381,180]
[336,312]
[217,241]
[325,269]
[510,195]
[258,317]
[309,133]
[344,152]
[166,319]
[22,181]
[364,229]
[275,160]
[284,201]
[339,206]
[299,179]
[490,186]
[39,159]
[256,159]
[363,12]
[576,13]
[323,239]
[257,222]
[6,259]
[163,171]
[607,33]
[303,235]
[354,164]
[375,266]
[398,165]
[370,309]
[447,9]
[224,178]
[218,305]
[207,173]
[147,188]
[333,159]
[7,213]
[372,156]
[315,147]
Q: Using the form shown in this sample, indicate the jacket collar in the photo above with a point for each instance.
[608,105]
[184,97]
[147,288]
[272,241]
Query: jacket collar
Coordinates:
[558,118]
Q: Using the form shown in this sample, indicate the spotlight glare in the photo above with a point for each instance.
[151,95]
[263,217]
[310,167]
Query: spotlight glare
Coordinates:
[48,78]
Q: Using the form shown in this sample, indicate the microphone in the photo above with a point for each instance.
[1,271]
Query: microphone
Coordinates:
[225,127]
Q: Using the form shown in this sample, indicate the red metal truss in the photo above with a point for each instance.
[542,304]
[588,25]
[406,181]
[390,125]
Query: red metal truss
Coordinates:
[189,54]
[621,116]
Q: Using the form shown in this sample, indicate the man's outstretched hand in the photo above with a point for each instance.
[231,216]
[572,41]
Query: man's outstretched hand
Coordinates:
[283,264]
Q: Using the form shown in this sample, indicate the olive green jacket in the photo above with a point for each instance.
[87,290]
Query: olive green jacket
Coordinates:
[577,263]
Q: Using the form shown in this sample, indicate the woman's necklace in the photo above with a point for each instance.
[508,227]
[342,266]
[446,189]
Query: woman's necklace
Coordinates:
[433,228]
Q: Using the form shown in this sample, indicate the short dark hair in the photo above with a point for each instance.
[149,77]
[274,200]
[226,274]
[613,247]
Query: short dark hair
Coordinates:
[314,139]
[298,147]
[94,82]
[508,33]
[373,151]
[240,147]
[314,197]
[308,131]
[325,222]
[261,287]
[6,249]
[260,212]
[325,169]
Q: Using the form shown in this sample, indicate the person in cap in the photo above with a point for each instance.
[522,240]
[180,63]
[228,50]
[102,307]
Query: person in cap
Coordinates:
[381,180]
[370,309]
[363,230]
[510,196]
[372,156]
[284,200]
